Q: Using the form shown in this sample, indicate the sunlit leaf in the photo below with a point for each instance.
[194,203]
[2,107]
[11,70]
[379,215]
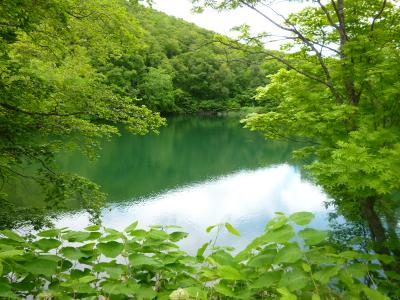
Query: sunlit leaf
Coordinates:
[326,273]
[10,253]
[209,228]
[132,226]
[229,273]
[93,228]
[202,249]
[49,233]
[302,218]
[281,235]
[232,229]
[47,244]
[288,254]
[313,236]
[293,280]
[141,259]
[276,222]
[224,290]
[177,236]
[12,235]
[110,249]
[267,279]
[76,236]
[39,266]
[374,294]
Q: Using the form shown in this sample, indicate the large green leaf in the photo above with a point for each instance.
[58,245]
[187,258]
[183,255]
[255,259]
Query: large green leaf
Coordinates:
[223,258]
[158,234]
[146,292]
[10,253]
[326,273]
[262,260]
[93,228]
[131,227]
[110,249]
[357,270]
[117,287]
[6,291]
[177,236]
[40,266]
[267,280]
[49,233]
[302,218]
[113,269]
[12,235]
[76,236]
[313,236]
[224,290]
[281,235]
[229,273]
[286,295]
[73,253]
[288,254]
[276,222]
[141,259]
[294,280]
[374,294]
[47,244]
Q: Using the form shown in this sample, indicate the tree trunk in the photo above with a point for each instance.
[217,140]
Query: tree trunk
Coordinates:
[376,228]
[378,234]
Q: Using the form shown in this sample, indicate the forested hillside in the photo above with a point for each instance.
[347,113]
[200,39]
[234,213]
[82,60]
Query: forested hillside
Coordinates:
[72,71]
[184,68]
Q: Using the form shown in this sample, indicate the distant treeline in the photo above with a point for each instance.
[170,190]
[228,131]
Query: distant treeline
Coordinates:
[182,68]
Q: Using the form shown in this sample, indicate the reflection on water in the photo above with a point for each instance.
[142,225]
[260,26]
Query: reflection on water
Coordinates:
[246,199]
[190,149]
[197,172]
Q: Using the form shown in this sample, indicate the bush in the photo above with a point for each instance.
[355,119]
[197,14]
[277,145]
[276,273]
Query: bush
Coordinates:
[288,261]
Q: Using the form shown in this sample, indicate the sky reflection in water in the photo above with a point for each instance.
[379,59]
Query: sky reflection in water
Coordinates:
[246,199]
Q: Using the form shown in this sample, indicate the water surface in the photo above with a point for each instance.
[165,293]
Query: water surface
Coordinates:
[197,172]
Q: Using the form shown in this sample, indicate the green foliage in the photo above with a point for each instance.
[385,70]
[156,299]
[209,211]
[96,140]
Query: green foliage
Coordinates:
[148,264]
[337,94]
[54,87]
[71,71]
[206,74]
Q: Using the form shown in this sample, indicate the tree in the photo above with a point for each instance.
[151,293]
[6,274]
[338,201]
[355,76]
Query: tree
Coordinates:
[338,91]
[53,93]
[158,90]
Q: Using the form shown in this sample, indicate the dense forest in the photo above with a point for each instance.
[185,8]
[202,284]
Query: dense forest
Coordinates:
[72,73]
[80,51]
[184,68]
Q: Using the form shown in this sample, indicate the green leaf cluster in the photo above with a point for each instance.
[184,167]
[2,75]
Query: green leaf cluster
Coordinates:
[135,263]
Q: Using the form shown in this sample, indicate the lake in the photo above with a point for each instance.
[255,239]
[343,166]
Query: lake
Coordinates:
[197,172]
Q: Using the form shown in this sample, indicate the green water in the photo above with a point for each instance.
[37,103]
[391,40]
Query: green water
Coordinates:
[190,149]
[196,172]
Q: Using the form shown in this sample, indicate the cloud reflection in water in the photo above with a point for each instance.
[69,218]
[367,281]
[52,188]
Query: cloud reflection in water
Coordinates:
[246,199]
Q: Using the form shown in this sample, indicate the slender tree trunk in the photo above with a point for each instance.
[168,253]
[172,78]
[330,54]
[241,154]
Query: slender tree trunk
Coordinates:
[375,225]
[379,235]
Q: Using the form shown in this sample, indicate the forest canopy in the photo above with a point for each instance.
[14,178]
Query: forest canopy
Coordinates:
[339,94]
[73,72]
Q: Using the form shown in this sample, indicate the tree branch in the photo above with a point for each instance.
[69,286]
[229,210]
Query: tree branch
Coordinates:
[378,15]
[306,41]
[328,15]
[32,113]
[280,59]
